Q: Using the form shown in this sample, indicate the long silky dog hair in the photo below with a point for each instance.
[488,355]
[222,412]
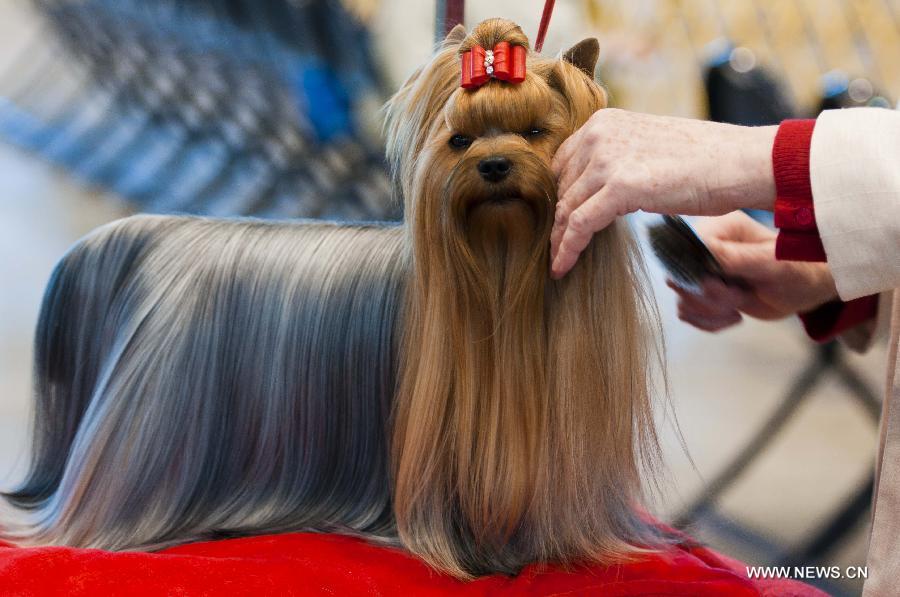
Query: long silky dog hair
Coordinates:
[425,385]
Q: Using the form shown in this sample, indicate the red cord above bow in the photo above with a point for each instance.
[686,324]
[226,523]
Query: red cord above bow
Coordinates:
[504,62]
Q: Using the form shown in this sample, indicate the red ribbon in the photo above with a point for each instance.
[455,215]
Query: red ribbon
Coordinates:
[508,65]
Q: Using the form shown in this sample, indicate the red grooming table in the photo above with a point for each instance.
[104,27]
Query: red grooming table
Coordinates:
[315,564]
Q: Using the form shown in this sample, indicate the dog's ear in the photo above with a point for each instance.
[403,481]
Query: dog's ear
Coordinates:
[456,36]
[583,96]
[584,55]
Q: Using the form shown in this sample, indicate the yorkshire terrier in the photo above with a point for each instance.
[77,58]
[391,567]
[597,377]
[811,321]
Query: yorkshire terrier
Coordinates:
[426,385]
[523,410]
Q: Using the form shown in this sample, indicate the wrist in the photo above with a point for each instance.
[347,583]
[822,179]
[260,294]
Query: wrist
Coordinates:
[823,283]
[745,177]
[759,165]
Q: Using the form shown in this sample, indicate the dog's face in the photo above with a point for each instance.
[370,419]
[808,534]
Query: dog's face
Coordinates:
[485,165]
[474,164]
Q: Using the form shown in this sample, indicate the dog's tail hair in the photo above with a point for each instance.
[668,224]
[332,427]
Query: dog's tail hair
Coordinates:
[76,305]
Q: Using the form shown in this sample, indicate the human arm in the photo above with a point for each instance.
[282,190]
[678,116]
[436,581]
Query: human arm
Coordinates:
[620,162]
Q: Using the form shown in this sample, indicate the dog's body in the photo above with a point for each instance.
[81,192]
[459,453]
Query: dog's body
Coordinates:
[206,378]
[427,384]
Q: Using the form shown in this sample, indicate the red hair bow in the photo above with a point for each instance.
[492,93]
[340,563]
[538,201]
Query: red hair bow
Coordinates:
[504,62]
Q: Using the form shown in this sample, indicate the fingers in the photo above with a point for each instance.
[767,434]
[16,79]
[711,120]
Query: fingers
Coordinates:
[575,182]
[577,157]
[563,166]
[713,310]
[598,212]
[708,324]
[570,247]
[559,227]
[562,154]
[580,210]
[747,260]
[568,148]
[715,299]
[578,193]
[735,226]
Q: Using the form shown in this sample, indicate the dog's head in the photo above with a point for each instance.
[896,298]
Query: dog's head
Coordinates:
[474,163]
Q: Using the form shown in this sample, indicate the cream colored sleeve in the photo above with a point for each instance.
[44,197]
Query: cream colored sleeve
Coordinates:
[855,176]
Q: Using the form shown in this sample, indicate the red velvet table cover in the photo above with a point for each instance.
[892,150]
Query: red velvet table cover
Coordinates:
[317,564]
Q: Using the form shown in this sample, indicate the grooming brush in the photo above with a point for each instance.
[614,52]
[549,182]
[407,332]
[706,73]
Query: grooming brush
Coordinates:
[686,258]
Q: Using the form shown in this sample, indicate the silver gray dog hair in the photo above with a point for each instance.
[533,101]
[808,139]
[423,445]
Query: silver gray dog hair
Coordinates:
[198,379]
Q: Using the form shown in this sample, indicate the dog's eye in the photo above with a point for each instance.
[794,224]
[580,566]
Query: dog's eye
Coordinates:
[532,132]
[460,141]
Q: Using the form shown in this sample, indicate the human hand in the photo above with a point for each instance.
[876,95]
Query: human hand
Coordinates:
[775,289]
[620,162]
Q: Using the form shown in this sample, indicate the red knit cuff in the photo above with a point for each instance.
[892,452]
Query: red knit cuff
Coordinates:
[833,318]
[795,216]
[799,246]
[790,162]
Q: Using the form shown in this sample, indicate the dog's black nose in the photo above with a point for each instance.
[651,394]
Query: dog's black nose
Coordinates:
[494,168]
